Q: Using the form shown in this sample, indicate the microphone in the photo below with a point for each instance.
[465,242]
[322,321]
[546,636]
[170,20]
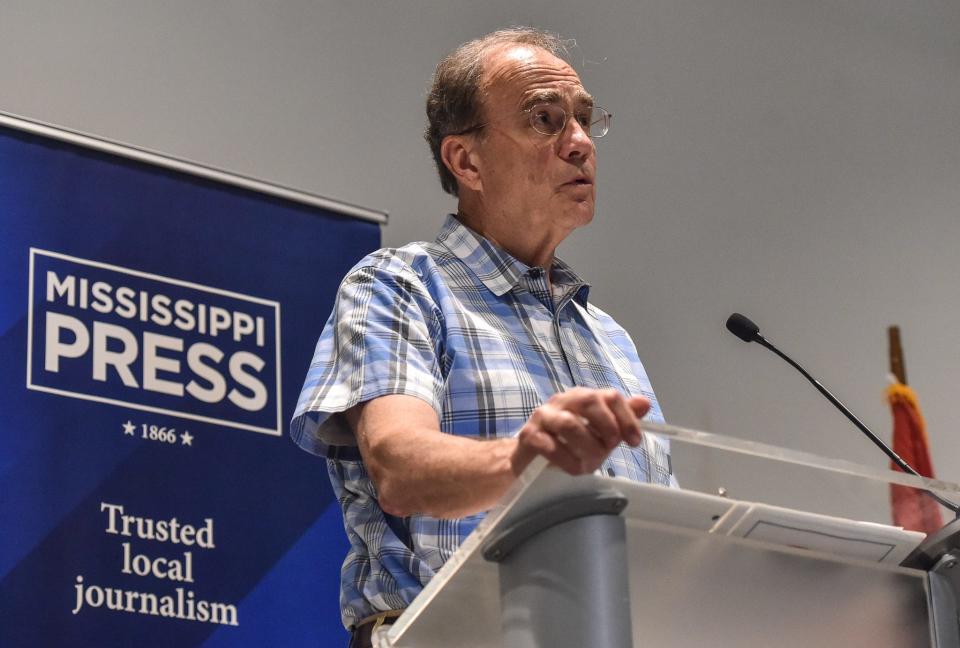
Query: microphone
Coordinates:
[744,328]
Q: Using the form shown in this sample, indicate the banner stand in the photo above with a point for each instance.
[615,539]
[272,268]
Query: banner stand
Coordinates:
[157,319]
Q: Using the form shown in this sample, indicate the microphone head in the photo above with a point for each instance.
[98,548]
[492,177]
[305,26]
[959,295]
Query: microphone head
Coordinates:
[743,327]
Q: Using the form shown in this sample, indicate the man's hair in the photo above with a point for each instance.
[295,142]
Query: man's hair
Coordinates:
[453,105]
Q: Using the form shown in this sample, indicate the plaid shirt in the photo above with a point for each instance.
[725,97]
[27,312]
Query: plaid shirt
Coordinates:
[477,335]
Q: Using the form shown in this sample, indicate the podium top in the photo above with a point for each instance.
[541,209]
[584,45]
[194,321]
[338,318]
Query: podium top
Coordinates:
[757,472]
[746,496]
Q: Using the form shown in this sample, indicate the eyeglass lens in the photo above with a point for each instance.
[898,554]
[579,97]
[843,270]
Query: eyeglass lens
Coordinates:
[549,119]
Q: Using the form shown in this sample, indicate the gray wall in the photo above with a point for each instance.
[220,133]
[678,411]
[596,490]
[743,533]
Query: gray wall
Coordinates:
[798,161]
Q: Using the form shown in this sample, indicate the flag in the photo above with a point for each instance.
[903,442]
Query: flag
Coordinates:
[912,508]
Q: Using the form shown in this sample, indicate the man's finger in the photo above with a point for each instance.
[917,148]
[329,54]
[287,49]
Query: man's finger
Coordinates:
[626,418]
[640,405]
[573,431]
[601,420]
[555,452]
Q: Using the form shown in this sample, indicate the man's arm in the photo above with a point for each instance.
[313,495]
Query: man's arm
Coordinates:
[416,468]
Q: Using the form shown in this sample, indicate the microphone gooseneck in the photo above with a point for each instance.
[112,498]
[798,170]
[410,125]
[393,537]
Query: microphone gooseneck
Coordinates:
[746,330]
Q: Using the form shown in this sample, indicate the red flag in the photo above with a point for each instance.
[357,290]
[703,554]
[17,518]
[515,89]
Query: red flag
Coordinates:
[912,508]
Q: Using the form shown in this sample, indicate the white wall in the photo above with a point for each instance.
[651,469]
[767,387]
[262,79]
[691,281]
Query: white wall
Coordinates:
[797,161]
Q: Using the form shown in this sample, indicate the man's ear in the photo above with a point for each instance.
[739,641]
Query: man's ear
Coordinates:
[459,156]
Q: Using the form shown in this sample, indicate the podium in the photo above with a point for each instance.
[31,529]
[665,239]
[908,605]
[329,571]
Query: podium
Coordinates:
[728,559]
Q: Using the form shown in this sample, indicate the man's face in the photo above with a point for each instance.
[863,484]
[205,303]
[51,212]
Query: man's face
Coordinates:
[547,181]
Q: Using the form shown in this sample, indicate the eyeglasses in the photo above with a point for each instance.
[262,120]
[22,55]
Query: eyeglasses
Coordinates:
[551,119]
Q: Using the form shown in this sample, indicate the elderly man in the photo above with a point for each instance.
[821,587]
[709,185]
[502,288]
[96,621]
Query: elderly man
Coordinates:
[446,367]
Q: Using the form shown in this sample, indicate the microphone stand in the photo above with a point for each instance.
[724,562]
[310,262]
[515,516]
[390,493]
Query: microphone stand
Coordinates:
[744,328]
[897,459]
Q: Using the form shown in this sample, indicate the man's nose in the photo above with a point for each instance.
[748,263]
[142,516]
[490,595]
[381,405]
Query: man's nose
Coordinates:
[574,141]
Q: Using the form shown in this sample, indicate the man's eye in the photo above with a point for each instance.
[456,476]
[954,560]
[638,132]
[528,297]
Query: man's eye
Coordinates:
[542,118]
[584,119]
[547,119]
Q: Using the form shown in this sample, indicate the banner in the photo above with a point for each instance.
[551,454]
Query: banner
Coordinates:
[156,329]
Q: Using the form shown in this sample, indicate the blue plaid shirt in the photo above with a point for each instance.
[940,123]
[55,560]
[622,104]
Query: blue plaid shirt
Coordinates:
[476,334]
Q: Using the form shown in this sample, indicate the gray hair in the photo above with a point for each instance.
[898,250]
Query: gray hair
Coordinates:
[453,105]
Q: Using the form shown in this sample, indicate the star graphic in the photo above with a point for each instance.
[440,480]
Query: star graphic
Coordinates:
[129,427]
[186,439]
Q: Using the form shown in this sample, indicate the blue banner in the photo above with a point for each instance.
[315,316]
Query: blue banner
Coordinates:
[156,328]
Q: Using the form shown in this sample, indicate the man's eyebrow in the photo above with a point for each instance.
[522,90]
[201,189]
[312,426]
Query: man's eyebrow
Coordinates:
[580,98]
[540,96]
[583,98]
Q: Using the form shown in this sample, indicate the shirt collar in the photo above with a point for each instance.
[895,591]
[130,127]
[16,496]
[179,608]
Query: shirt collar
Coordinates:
[496,268]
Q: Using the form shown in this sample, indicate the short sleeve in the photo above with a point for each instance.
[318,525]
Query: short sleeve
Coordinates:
[383,337]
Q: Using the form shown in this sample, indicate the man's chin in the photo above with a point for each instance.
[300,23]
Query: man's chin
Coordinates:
[582,212]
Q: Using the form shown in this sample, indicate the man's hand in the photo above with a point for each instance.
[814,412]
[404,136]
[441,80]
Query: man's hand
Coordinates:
[418,469]
[578,428]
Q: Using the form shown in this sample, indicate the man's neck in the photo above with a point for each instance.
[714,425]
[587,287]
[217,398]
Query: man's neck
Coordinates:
[536,249]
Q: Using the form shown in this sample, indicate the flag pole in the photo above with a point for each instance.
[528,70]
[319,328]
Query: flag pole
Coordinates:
[897,367]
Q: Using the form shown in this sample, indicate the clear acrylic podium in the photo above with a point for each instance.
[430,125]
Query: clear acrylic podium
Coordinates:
[761,546]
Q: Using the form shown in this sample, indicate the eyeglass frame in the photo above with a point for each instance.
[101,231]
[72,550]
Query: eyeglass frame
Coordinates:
[608,117]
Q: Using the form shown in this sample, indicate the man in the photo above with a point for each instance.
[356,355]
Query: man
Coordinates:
[446,367]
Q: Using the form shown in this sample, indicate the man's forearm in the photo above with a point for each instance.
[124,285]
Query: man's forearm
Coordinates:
[442,475]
